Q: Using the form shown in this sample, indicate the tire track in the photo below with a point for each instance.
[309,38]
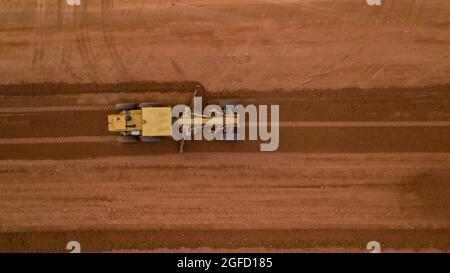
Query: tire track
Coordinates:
[409,12]
[118,63]
[136,58]
[227,69]
[387,7]
[3,8]
[46,109]
[294,140]
[194,239]
[39,44]
[374,17]
[361,124]
[426,160]
[66,49]
[60,14]
[5,5]
[330,12]
[56,140]
[83,44]
[421,6]
[354,50]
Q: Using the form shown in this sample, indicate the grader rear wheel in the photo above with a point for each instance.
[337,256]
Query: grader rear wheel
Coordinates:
[149,104]
[126,106]
[127,139]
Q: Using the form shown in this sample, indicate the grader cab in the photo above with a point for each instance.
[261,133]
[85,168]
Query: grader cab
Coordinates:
[144,122]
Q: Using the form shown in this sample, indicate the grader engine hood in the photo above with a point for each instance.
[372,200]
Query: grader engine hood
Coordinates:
[157,121]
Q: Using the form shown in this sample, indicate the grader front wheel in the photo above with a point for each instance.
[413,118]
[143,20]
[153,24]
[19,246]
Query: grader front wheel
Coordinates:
[149,139]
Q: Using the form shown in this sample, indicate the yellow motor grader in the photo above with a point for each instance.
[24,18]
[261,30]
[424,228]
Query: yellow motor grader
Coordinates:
[150,122]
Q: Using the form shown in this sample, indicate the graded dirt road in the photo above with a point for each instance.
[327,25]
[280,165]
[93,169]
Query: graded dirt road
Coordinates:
[353,165]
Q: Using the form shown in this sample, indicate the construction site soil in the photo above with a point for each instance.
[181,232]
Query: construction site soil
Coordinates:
[364,152]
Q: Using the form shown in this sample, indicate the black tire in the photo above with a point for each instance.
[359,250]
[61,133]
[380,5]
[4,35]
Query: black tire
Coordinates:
[149,104]
[149,139]
[126,106]
[127,139]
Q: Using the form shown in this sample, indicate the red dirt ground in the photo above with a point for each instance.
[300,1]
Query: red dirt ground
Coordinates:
[228,44]
[327,188]
[330,186]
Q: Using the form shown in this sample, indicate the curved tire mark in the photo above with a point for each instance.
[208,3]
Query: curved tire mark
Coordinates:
[118,63]
[39,44]
[66,48]
[57,140]
[79,108]
[83,44]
